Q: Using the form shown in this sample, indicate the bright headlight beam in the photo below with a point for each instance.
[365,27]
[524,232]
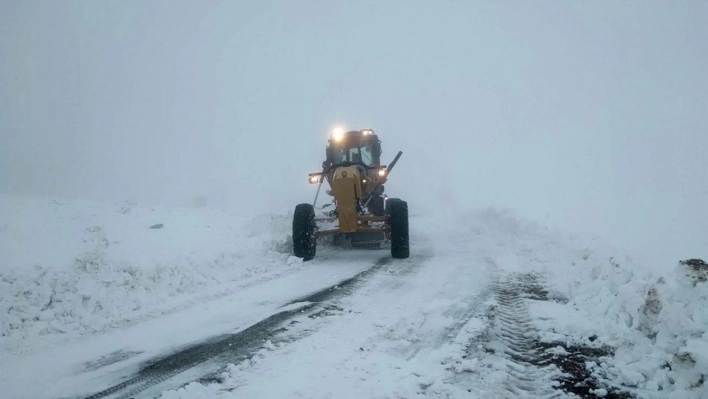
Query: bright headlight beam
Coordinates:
[382,172]
[338,133]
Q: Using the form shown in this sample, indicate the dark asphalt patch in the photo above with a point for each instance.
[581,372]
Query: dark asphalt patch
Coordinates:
[342,287]
[111,358]
[233,348]
[230,346]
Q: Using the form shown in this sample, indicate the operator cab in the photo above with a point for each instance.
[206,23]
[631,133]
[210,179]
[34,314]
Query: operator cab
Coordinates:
[355,147]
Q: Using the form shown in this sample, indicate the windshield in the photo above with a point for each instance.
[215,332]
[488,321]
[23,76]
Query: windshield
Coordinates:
[360,155]
[354,152]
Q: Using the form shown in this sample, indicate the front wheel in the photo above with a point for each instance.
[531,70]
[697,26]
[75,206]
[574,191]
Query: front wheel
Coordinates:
[398,221]
[304,244]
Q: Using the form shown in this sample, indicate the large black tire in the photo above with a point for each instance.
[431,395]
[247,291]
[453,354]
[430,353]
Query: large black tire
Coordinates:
[398,220]
[304,245]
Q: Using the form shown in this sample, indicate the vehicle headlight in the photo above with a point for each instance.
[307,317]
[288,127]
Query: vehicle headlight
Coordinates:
[382,172]
[315,179]
[338,133]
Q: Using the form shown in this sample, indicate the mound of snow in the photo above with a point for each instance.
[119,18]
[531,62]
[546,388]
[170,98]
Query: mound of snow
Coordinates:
[657,320]
[71,267]
[657,324]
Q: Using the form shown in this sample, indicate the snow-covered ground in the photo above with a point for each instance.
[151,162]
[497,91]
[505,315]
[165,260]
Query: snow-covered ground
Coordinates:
[92,287]
[70,267]
[655,320]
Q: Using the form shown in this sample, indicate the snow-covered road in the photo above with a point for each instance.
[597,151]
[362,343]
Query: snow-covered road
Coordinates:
[90,364]
[486,306]
[390,337]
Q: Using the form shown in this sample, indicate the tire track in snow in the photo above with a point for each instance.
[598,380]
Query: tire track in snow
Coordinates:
[425,330]
[516,341]
[163,369]
[341,288]
[225,349]
[459,315]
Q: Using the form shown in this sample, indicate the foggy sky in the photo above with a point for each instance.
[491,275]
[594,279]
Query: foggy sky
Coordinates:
[587,116]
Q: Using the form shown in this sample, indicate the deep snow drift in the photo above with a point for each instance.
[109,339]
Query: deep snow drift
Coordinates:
[71,268]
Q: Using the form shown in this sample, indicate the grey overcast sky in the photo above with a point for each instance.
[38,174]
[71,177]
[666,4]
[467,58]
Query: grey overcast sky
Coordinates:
[588,116]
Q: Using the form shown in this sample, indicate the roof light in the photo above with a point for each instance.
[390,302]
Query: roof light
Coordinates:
[338,133]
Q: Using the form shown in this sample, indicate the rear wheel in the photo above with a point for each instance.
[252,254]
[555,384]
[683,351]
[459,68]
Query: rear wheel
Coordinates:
[304,245]
[398,220]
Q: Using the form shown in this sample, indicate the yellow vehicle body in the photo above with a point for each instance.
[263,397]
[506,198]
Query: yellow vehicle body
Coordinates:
[346,189]
[356,177]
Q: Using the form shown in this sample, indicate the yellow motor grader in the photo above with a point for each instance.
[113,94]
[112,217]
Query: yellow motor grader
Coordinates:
[362,214]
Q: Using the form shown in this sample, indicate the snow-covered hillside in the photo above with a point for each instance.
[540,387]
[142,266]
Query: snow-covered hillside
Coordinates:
[481,286]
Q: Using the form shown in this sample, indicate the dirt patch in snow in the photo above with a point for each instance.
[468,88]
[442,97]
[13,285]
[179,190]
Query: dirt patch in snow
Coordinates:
[578,379]
[697,270]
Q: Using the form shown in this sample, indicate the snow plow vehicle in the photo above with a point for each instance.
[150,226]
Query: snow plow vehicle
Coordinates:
[362,214]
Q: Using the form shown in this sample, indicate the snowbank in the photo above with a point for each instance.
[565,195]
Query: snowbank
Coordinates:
[71,267]
[656,320]
[657,324]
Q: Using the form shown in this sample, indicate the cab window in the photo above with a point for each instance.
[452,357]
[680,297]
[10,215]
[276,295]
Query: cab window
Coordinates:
[366,156]
[360,155]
